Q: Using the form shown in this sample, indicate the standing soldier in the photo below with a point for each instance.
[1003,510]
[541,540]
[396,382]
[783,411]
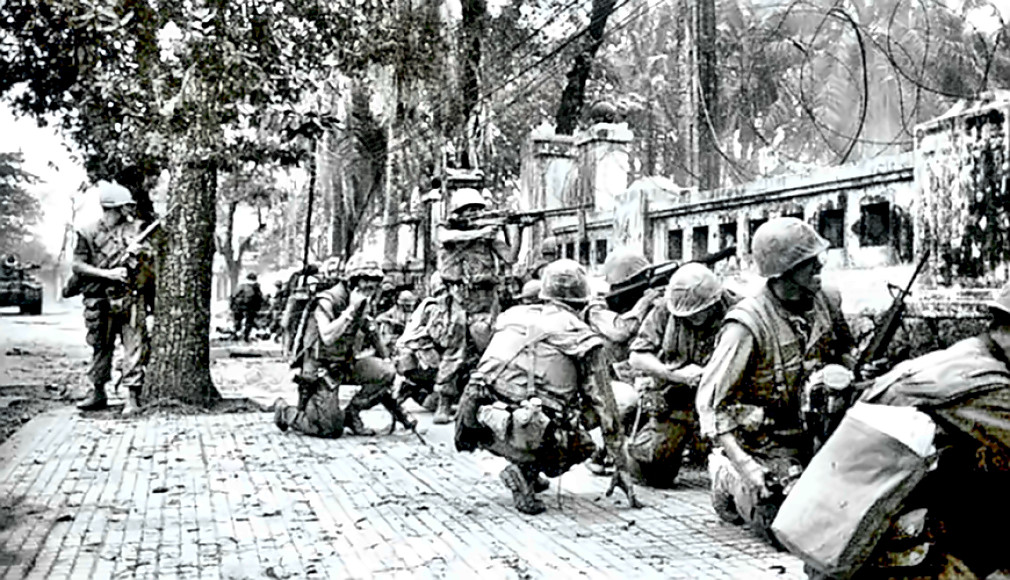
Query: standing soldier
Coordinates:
[470,258]
[393,321]
[246,302]
[114,296]
[277,302]
[540,385]
[749,396]
[328,356]
[672,346]
[418,355]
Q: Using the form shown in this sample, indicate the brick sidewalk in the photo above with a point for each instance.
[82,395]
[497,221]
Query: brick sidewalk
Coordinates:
[229,496]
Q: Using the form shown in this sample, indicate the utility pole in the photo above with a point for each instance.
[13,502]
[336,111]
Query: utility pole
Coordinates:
[707,114]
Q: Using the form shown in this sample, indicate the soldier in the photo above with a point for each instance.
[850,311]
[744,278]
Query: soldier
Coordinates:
[418,354]
[277,302]
[549,252]
[471,256]
[965,389]
[542,382]
[672,346]
[620,328]
[328,357]
[749,396]
[246,302]
[113,297]
[393,321]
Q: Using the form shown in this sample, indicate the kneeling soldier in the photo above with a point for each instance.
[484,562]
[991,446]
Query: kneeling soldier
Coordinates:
[540,385]
[330,357]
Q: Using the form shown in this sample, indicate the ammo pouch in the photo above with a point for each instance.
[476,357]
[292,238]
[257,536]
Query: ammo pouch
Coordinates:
[523,428]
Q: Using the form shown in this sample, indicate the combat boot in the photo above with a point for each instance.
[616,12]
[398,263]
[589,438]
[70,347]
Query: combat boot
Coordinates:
[352,421]
[132,406]
[399,415]
[430,402]
[527,503]
[284,414]
[96,401]
[443,413]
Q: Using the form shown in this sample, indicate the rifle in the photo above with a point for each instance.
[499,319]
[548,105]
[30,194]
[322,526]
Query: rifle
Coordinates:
[521,218]
[622,297]
[77,282]
[884,331]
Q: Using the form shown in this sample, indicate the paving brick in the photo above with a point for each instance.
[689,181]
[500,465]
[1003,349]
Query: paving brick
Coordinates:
[229,496]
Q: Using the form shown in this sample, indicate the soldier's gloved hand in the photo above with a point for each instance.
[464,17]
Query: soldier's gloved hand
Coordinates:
[622,480]
[120,274]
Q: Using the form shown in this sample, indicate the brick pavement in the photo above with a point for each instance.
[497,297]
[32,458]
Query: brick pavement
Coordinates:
[229,496]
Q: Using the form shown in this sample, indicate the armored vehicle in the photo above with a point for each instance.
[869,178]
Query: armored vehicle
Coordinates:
[18,287]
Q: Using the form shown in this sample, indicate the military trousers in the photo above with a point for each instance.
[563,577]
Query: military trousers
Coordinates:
[109,318]
[322,415]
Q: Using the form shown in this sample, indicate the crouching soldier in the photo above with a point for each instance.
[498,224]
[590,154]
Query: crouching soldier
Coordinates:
[749,397]
[329,356]
[672,347]
[541,383]
[418,354]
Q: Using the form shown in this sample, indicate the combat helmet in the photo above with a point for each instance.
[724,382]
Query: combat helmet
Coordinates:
[622,265]
[780,244]
[466,197]
[692,288]
[111,194]
[407,298]
[1002,303]
[362,265]
[565,280]
[530,290]
[550,246]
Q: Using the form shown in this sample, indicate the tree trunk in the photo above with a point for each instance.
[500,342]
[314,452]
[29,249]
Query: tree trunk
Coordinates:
[575,91]
[179,367]
[391,197]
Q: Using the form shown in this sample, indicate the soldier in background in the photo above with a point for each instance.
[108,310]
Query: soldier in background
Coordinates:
[471,257]
[549,251]
[246,302]
[418,355]
[541,384]
[114,304]
[672,346]
[277,303]
[330,355]
[748,399]
[392,322]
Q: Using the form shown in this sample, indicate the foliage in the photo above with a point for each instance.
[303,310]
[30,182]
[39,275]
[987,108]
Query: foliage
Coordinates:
[19,210]
[809,82]
[252,186]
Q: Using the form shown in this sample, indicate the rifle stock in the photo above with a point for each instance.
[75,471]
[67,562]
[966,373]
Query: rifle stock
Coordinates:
[619,299]
[884,331]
